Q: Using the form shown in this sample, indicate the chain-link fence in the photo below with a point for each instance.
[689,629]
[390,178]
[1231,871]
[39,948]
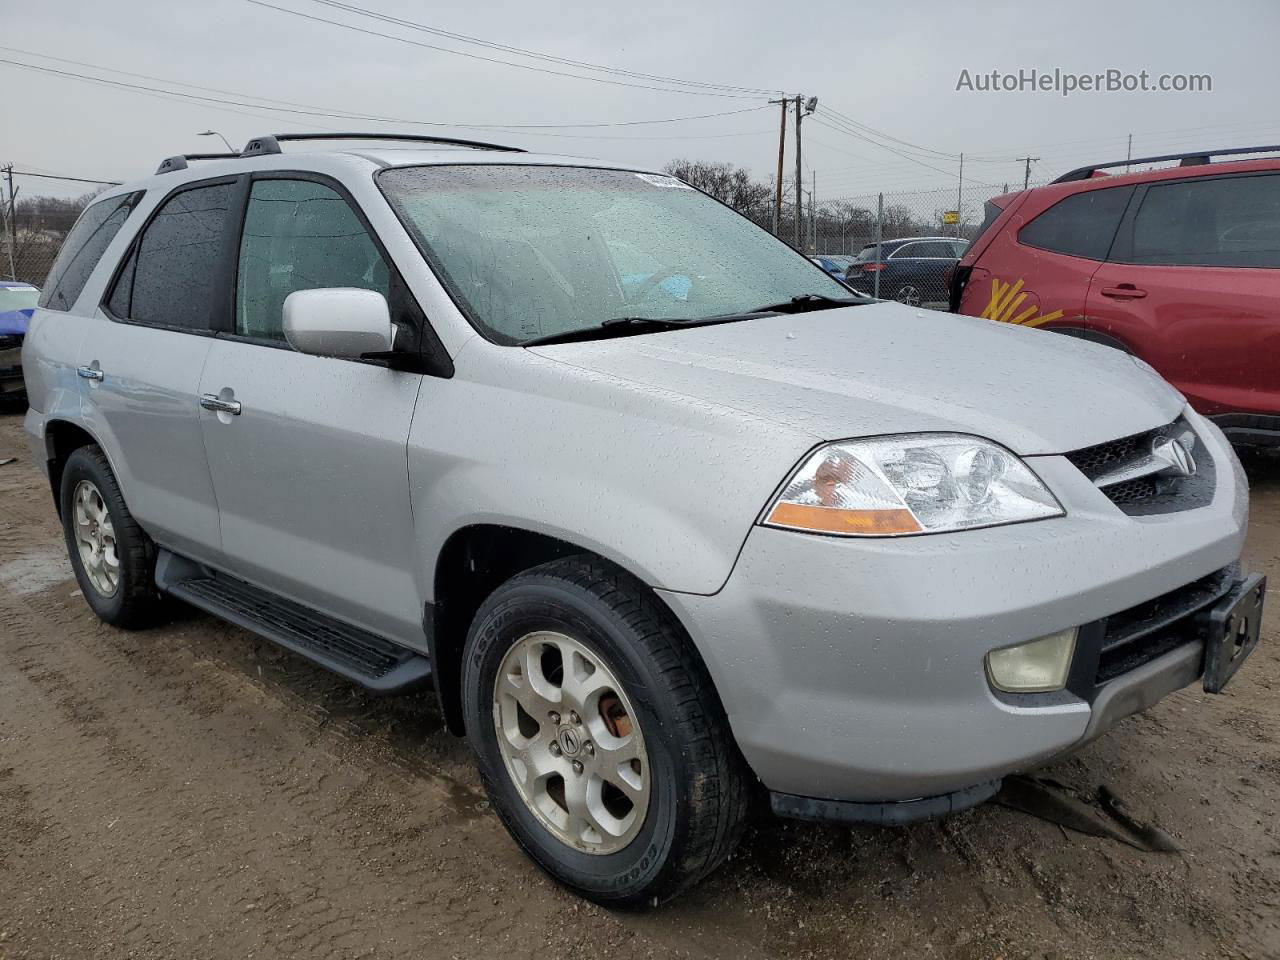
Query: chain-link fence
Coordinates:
[920,235]
[31,233]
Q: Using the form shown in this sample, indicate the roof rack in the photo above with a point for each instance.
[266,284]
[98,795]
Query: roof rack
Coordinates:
[260,146]
[1194,158]
[170,164]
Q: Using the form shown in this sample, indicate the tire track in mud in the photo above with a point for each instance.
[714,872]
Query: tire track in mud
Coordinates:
[188,793]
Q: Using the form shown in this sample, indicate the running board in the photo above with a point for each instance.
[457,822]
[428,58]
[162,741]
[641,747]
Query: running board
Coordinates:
[375,663]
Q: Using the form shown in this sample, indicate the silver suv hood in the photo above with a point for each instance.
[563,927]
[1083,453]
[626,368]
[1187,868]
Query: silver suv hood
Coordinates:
[887,368]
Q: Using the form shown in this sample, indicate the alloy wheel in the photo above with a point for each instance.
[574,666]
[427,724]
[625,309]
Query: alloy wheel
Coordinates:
[571,742]
[95,538]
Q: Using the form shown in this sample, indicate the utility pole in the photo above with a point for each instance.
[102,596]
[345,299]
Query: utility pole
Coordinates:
[13,223]
[803,107]
[777,183]
[959,194]
[799,179]
[1026,170]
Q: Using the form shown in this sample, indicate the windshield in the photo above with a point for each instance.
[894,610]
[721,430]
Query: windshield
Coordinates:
[530,252]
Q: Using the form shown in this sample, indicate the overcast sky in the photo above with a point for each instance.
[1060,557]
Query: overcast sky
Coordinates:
[890,66]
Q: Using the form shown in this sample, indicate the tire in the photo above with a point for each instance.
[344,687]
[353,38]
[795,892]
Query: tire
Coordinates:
[909,295]
[698,788]
[134,602]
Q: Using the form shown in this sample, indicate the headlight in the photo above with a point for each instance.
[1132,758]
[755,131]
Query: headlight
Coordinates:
[912,483]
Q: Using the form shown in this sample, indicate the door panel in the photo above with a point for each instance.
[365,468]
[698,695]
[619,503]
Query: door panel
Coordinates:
[145,413]
[1213,332]
[312,481]
[310,468]
[141,375]
[1194,287]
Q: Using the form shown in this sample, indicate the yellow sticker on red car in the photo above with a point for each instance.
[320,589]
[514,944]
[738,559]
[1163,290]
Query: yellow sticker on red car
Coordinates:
[1007,299]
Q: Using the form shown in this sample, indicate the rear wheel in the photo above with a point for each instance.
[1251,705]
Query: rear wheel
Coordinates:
[600,740]
[113,559]
[909,295]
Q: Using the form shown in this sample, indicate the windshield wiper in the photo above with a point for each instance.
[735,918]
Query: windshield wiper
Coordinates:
[806,302]
[624,327]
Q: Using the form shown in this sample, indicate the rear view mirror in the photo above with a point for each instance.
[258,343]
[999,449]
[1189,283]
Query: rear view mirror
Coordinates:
[338,322]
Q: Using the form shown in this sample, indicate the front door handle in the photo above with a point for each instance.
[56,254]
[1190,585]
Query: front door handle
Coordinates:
[1123,291]
[89,373]
[215,403]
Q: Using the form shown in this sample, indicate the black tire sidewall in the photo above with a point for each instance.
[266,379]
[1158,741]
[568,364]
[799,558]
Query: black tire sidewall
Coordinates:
[547,604]
[84,465]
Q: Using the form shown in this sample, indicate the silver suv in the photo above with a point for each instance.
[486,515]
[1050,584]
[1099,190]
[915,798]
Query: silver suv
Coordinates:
[671,520]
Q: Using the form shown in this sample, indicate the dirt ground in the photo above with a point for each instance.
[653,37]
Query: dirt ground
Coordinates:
[193,792]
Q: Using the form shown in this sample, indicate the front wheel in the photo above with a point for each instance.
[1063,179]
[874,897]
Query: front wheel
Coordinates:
[600,740]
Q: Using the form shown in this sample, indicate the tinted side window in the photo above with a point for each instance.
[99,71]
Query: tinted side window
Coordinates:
[1231,222]
[1082,225]
[933,248]
[83,248]
[299,235]
[173,270]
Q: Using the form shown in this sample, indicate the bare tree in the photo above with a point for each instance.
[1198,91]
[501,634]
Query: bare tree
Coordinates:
[729,184]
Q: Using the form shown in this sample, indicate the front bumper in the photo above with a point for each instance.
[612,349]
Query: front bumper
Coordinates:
[852,670]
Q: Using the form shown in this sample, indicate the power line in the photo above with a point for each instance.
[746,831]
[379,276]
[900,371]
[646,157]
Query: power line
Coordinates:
[281,105]
[51,176]
[505,63]
[534,54]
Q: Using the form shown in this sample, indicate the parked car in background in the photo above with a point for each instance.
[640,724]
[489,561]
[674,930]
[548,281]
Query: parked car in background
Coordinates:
[912,270]
[660,552]
[1179,266]
[17,303]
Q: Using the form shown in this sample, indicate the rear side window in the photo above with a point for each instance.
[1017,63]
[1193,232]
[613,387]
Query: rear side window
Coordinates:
[84,247]
[1081,225]
[171,277]
[935,249]
[1228,222]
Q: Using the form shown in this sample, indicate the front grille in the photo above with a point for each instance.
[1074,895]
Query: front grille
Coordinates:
[1148,495]
[10,341]
[1096,460]
[1151,629]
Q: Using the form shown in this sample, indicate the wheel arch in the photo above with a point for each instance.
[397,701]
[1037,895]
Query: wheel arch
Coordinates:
[474,561]
[63,438]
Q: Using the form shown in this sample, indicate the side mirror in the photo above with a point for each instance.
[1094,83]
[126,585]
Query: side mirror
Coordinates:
[342,322]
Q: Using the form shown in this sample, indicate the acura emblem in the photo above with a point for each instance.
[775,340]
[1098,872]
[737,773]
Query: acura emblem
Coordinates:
[1175,454]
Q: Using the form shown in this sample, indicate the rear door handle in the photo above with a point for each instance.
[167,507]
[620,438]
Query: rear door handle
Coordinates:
[215,403]
[1123,291]
[89,373]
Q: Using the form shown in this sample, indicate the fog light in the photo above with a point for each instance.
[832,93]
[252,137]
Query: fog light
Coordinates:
[1036,666]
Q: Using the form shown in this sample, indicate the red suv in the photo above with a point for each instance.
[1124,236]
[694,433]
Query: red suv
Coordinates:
[1179,266]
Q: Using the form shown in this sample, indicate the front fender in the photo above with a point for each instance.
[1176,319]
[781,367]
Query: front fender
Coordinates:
[666,487]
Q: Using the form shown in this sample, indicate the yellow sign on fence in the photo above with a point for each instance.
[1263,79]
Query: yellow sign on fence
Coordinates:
[950,216]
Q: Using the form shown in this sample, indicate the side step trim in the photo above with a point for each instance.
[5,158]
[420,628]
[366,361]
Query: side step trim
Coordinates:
[374,662]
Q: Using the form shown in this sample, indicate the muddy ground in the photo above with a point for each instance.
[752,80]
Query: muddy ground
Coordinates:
[191,791]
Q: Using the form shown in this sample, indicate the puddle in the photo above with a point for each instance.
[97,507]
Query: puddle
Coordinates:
[33,572]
